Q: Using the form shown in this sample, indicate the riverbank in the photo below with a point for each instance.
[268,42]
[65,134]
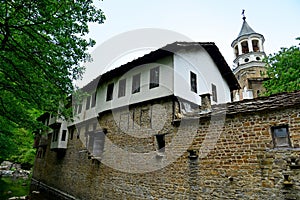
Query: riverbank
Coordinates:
[14,181]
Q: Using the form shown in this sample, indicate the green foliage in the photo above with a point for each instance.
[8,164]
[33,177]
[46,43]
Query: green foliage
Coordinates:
[17,147]
[283,71]
[42,46]
[24,152]
[17,187]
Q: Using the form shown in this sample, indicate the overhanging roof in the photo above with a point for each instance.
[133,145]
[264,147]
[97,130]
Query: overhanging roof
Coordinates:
[168,50]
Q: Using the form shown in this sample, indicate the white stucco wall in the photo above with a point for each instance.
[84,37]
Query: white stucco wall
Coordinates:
[85,114]
[165,86]
[59,144]
[199,62]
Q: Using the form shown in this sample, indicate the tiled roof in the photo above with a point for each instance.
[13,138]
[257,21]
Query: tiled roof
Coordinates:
[167,50]
[266,104]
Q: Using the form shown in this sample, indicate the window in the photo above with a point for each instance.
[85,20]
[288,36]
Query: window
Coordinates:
[161,143]
[63,136]
[95,143]
[122,88]
[154,77]
[255,45]
[109,93]
[79,108]
[71,131]
[55,134]
[136,82]
[214,93]
[281,136]
[98,144]
[245,48]
[75,109]
[78,132]
[193,78]
[93,99]
[88,102]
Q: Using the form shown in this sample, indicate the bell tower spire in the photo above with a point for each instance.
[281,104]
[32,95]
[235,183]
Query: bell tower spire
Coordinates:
[248,52]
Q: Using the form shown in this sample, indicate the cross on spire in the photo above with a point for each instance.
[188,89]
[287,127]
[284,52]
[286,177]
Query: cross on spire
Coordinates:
[243,13]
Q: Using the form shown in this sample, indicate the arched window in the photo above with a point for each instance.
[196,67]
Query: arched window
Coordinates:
[255,45]
[245,48]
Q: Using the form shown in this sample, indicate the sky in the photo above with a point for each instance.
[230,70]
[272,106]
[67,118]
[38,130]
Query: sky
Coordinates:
[217,21]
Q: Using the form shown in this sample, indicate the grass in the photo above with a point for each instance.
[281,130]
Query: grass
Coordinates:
[10,187]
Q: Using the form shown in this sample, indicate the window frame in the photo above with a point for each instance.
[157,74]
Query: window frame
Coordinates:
[154,77]
[110,92]
[79,108]
[64,135]
[93,99]
[136,83]
[193,81]
[122,88]
[214,93]
[274,137]
[55,134]
[88,102]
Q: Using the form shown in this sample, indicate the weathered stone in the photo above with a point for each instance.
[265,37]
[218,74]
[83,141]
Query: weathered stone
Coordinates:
[236,156]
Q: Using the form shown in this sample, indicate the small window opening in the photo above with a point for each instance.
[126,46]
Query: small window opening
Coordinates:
[193,78]
[93,99]
[161,143]
[71,131]
[214,93]
[154,78]
[245,48]
[79,108]
[281,137]
[55,135]
[88,102]
[75,109]
[78,133]
[63,136]
[109,92]
[255,45]
[136,82]
[122,88]
[95,143]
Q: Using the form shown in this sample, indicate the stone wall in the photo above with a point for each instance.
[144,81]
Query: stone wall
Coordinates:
[226,154]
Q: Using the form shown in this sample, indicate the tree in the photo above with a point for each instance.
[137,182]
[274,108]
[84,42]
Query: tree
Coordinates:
[42,46]
[283,71]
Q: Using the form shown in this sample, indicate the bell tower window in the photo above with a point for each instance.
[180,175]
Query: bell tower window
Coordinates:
[255,45]
[245,47]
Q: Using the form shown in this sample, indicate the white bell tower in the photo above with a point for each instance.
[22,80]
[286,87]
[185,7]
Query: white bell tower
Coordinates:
[248,49]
